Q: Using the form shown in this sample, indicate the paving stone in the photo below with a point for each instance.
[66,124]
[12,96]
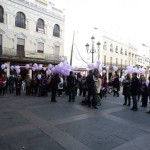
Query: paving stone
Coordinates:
[9,119]
[29,140]
[101,133]
[56,111]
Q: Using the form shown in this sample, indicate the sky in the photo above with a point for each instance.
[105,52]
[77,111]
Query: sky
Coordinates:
[128,20]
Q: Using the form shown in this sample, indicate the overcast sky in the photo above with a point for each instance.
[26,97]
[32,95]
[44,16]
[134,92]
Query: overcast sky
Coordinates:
[126,19]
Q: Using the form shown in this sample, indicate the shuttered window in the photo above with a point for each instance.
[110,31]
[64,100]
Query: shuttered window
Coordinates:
[56,50]
[20,47]
[40,47]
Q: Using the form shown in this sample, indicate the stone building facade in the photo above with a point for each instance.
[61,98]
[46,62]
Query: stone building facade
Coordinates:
[30,31]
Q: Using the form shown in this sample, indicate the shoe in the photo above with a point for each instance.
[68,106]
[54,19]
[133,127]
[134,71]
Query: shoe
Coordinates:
[73,100]
[148,112]
[124,104]
[69,100]
[131,108]
[135,109]
[95,107]
[128,105]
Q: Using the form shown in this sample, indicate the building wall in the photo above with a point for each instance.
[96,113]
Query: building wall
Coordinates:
[33,10]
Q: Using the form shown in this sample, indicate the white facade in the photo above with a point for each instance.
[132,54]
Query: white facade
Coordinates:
[44,43]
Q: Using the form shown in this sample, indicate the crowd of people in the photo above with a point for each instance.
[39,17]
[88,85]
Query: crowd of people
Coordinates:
[92,87]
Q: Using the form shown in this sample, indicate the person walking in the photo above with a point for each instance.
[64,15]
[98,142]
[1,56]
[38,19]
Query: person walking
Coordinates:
[116,85]
[11,81]
[71,83]
[134,91]
[127,90]
[144,92]
[18,83]
[91,87]
[54,86]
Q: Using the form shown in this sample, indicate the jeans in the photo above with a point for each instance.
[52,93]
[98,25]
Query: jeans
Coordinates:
[135,101]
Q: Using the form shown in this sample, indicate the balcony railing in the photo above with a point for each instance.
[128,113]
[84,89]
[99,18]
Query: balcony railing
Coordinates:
[8,52]
[45,56]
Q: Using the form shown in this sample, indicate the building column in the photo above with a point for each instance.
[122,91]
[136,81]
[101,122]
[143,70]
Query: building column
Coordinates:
[8,68]
[30,73]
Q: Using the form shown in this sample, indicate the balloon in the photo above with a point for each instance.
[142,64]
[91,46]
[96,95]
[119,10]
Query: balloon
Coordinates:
[12,67]
[126,71]
[3,66]
[115,68]
[39,76]
[98,62]
[107,68]
[50,66]
[33,69]
[35,65]
[44,68]
[27,66]
[5,70]
[18,70]
[40,66]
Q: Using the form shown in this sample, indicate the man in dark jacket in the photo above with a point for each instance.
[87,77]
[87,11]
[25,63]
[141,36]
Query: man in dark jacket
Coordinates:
[91,88]
[134,90]
[71,82]
[54,86]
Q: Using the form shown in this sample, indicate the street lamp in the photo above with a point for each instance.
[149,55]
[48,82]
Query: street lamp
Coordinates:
[93,50]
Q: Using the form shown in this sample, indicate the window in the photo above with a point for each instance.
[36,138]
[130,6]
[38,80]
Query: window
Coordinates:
[0,44]
[20,20]
[116,49]
[111,48]
[121,51]
[105,46]
[56,50]
[20,47]
[56,31]
[126,52]
[40,47]
[1,14]
[40,26]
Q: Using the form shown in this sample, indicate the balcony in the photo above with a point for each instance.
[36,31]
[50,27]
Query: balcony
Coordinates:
[45,56]
[30,55]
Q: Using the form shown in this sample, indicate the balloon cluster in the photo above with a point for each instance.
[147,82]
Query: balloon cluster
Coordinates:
[131,69]
[63,68]
[99,66]
[4,67]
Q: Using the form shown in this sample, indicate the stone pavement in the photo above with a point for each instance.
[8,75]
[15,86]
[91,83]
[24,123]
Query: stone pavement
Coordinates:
[34,123]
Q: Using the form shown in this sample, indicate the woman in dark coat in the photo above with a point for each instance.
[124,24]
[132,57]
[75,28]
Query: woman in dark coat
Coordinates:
[127,90]
[116,86]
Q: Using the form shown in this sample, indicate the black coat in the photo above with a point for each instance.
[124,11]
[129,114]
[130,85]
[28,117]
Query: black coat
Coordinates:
[126,87]
[135,86]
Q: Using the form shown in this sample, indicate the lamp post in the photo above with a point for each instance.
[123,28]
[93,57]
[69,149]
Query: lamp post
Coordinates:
[93,49]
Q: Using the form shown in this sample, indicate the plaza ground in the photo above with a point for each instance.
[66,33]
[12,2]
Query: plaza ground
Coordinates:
[35,123]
